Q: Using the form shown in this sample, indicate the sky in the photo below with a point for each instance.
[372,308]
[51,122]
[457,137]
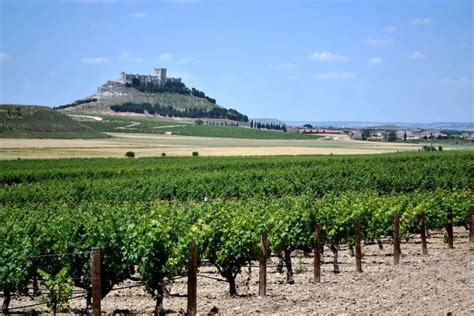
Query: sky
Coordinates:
[379,61]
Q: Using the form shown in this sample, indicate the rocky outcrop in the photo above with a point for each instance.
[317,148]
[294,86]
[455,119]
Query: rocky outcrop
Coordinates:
[114,92]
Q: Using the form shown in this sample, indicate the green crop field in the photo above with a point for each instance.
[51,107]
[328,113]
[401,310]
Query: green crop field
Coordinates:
[129,124]
[143,213]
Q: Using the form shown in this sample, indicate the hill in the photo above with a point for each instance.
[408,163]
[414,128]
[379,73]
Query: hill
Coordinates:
[171,99]
[27,121]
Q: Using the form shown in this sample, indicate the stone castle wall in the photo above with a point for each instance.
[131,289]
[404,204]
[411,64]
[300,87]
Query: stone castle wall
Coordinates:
[159,77]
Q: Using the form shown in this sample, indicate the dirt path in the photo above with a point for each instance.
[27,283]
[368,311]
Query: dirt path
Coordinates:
[439,283]
[95,118]
[128,126]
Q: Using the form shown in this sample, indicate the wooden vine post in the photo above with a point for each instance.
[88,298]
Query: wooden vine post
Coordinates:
[358,247]
[192,279]
[424,246]
[95,278]
[449,229]
[262,277]
[396,239]
[317,254]
[470,220]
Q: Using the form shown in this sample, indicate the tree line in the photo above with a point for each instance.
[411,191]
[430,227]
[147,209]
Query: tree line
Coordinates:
[170,87]
[169,111]
[268,126]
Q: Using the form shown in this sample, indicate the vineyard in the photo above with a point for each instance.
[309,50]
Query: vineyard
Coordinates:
[144,213]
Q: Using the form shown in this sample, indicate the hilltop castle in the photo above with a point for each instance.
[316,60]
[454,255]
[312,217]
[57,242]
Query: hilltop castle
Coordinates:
[158,77]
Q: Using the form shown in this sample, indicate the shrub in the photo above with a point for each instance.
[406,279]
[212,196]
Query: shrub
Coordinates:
[163,154]
[130,154]
[199,122]
[195,153]
[59,290]
[428,148]
[440,148]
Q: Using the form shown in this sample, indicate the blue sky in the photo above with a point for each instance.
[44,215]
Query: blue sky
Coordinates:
[384,61]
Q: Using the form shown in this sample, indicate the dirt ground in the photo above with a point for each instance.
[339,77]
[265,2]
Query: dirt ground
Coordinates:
[439,283]
[146,145]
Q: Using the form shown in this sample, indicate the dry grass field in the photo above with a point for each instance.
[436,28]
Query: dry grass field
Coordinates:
[146,145]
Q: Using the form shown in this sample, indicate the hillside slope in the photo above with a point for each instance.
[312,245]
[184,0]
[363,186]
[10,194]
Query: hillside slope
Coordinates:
[27,121]
[114,92]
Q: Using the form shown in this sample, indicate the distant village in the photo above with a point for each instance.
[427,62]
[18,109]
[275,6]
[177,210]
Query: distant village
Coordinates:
[377,134]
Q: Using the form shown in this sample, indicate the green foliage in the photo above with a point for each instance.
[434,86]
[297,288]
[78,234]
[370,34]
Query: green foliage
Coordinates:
[170,111]
[59,290]
[230,238]
[365,134]
[195,153]
[76,103]
[392,136]
[130,154]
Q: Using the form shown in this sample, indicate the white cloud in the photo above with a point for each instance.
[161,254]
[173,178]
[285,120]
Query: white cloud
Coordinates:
[455,81]
[416,56]
[170,58]
[285,66]
[95,60]
[328,57]
[421,21]
[4,56]
[380,43]
[375,61]
[335,75]
[138,15]
[390,29]
[128,58]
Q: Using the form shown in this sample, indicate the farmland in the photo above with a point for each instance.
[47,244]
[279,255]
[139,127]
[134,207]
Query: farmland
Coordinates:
[149,125]
[146,145]
[143,213]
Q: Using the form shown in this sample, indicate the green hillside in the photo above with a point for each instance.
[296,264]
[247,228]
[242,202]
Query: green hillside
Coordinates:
[26,121]
[148,125]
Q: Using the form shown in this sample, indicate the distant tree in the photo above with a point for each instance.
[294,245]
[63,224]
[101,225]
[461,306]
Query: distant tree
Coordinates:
[405,136]
[195,153]
[392,136]
[365,134]
[130,154]
[199,122]
[440,148]
[251,124]
[308,126]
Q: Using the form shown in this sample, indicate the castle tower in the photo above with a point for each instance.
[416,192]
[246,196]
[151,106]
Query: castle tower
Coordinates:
[161,74]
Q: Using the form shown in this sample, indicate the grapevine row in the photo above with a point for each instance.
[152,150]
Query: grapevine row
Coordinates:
[153,237]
